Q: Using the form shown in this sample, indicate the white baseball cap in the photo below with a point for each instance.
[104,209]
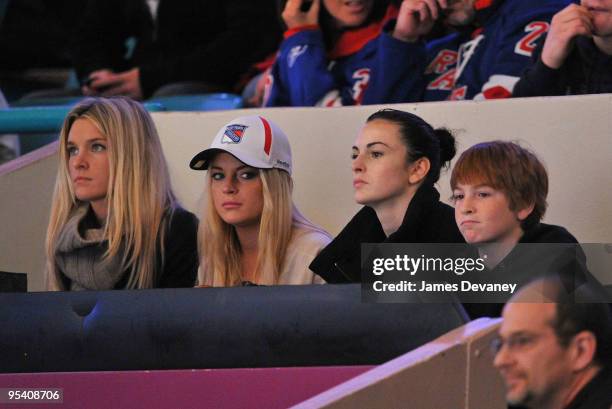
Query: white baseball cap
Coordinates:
[253,140]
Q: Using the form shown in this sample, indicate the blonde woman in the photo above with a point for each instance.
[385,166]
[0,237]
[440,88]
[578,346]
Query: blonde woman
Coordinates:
[250,230]
[115,222]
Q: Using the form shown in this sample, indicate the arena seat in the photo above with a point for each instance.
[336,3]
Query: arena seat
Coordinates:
[243,327]
[200,102]
[48,101]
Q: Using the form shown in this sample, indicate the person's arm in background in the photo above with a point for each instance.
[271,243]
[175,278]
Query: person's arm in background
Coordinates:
[415,22]
[518,39]
[300,76]
[99,47]
[380,72]
[250,33]
[543,77]
[236,34]
[401,60]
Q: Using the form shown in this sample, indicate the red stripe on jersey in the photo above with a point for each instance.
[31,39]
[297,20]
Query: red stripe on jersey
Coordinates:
[351,41]
[482,4]
[496,92]
[295,30]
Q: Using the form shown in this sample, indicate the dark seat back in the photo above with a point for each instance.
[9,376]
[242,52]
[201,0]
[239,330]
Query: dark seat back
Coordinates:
[211,328]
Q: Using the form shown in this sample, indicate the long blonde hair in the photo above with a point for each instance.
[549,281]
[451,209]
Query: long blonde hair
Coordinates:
[139,191]
[220,252]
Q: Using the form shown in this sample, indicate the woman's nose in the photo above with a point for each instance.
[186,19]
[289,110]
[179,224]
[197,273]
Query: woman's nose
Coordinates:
[229,186]
[79,160]
[358,165]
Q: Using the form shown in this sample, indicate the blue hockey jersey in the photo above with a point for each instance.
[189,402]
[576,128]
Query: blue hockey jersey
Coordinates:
[487,62]
[305,74]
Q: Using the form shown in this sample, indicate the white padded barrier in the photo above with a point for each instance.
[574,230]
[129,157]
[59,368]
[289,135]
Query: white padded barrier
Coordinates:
[453,371]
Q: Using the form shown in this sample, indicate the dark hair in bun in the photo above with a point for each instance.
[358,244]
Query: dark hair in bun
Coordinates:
[422,140]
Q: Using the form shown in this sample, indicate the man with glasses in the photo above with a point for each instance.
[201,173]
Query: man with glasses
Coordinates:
[554,349]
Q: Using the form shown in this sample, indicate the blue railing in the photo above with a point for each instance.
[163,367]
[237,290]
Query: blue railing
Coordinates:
[49,114]
[40,119]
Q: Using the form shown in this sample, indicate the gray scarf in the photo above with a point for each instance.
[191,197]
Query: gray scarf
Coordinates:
[79,256]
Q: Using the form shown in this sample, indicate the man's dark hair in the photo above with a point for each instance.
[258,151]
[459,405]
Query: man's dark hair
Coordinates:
[581,311]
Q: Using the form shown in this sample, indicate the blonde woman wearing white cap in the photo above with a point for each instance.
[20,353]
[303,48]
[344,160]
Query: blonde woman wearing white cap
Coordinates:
[250,230]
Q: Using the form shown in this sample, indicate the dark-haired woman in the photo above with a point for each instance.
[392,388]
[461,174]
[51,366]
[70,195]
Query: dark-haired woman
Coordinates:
[339,52]
[397,158]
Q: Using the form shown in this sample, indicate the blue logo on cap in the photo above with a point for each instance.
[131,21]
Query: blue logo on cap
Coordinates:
[233,133]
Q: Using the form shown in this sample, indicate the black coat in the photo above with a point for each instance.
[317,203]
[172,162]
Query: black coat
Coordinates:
[427,220]
[585,71]
[524,264]
[597,394]
[179,267]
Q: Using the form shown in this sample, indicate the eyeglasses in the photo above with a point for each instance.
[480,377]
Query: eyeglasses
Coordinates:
[515,343]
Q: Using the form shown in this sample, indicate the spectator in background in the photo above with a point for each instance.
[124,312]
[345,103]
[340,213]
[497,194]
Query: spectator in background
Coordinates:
[251,232]
[9,143]
[484,58]
[397,159]
[555,348]
[335,53]
[35,38]
[115,222]
[37,33]
[576,57]
[134,47]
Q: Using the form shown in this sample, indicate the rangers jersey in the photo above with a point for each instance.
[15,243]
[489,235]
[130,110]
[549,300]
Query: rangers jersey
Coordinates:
[366,66]
[486,62]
